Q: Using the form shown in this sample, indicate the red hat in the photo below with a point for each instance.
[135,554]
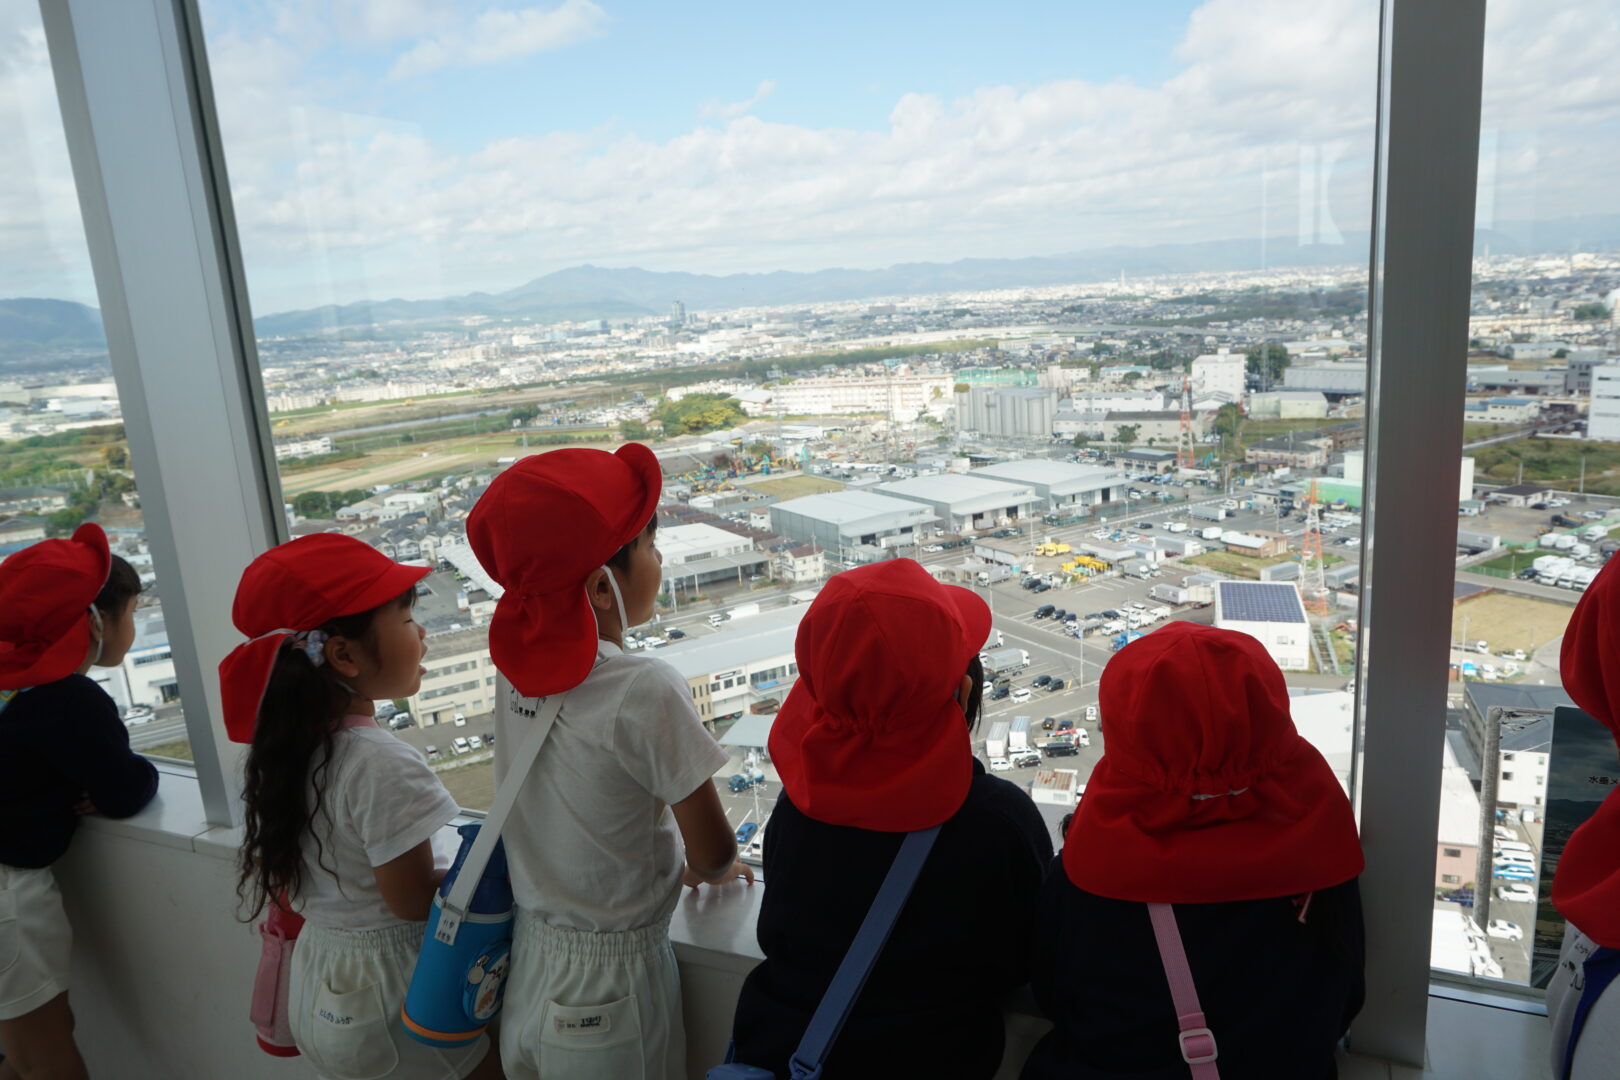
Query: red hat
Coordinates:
[46,591]
[1586,886]
[540,529]
[872,736]
[1205,792]
[295,587]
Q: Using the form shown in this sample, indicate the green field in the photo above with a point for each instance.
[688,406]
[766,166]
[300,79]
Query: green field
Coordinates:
[791,487]
[1515,561]
[1555,462]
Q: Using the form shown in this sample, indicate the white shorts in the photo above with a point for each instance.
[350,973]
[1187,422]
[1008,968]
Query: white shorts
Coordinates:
[592,1006]
[343,1002]
[36,942]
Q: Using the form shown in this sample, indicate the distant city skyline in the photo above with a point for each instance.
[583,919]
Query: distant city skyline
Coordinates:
[419,150]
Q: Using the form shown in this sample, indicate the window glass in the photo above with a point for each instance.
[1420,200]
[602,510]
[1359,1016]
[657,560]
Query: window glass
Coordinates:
[1079,329]
[1539,494]
[64,459]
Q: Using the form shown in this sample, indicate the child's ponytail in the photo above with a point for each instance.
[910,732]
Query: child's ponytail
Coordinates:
[290,755]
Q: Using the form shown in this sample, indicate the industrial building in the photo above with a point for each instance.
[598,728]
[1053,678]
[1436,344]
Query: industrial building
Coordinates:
[1336,380]
[853,525]
[701,554]
[966,503]
[1067,490]
[1526,741]
[1025,412]
[1288,405]
[1219,373]
[1603,418]
[1272,613]
[745,662]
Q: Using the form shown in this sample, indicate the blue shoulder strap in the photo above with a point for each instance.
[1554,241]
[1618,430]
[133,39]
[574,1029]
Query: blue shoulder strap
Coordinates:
[839,1000]
[1600,970]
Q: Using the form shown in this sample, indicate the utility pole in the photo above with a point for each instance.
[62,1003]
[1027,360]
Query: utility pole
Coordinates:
[1490,769]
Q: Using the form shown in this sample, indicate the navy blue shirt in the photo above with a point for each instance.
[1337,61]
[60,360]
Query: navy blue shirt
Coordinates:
[58,743]
[1278,994]
[933,1005]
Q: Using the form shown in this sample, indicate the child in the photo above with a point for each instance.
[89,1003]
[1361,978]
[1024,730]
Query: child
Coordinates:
[1586,885]
[625,776]
[339,813]
[1206,800]
[65,606]
[874,742]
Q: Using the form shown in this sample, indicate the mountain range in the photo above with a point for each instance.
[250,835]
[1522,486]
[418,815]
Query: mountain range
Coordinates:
[28,326]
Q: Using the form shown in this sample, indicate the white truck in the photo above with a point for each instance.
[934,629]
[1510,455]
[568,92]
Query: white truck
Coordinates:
[1001,660]
[995,743]
[1207,512]
[995,641]
[1212,532]
[994,573]
[1018,734]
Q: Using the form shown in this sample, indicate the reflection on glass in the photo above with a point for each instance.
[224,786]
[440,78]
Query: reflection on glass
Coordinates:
[1539,500]
[63,456]
[1085,333]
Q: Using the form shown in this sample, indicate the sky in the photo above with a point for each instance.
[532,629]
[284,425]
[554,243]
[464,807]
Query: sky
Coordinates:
[414,148]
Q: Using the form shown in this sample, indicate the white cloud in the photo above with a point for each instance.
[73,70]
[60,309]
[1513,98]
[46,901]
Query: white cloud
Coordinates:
[730,110]
[499,35]
[336,204]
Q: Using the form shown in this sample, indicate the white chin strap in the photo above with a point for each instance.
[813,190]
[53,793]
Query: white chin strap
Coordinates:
[101,634]
[618,598]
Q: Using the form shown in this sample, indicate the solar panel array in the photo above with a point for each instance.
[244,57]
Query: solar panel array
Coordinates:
[1261,601]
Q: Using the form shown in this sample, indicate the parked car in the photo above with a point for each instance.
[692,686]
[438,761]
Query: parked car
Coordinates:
[746,831]
[1041,586]
[1000,692]
[1060,748]
[931,548]
[1519,894]
[460,745]
[766,707]
[1028,759]
[1056,684]
[1066,725]
[489,739]
[475,742]
[1020,695]
[1513,873]
[1000,764]
[460,721]
[400,721]
[1049,723]
[1091,714]
[1501,928]
[138,714]
[1041,680]
[431,751]
[1044,610]
[675,634]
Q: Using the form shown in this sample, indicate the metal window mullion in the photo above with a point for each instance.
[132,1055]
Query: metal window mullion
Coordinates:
[1431,55]
[157,220]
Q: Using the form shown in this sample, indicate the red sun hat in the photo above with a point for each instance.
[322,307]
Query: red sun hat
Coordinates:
[539,530]
[872,736]
[1586,886]
[1205,791]
[294,587]
[46,591]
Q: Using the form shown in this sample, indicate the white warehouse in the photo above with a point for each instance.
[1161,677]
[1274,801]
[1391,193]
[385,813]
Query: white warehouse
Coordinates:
[966,503]
[1272,614]
[1066,489]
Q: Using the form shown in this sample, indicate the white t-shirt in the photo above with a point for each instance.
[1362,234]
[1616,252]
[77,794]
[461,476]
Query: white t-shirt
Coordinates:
[592,843]
[1599,1047]
[380,801]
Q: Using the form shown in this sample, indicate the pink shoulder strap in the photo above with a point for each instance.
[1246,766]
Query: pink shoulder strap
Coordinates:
[1197,1041]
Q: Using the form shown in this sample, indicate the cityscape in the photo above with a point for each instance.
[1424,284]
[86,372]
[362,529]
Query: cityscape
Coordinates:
[1093,459]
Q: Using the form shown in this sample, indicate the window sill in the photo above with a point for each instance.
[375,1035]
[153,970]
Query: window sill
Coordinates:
[1473,1032]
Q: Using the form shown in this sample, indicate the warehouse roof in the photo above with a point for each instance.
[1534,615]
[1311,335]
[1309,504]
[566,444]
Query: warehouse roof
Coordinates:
[964,493]
[1061,476]
[847,507]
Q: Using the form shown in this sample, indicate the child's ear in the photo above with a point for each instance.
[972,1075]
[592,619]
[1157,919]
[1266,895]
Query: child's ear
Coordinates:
[340,654]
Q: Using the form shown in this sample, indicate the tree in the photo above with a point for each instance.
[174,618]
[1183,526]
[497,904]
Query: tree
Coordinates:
[1080,440]
[312,504]
[115,457]
[759,450]
[1132,376]
[522,414]
[695,414]
[962,388]
[1590,311]
[63,522]
[631,430]
[1229,424]
[939,392]
[1126,434]
[1269,361]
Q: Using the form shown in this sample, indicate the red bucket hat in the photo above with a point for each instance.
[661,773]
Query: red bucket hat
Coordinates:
[540,529]
[46,591]
[295,587]
[871,736]
[1205,792]
[1586,886]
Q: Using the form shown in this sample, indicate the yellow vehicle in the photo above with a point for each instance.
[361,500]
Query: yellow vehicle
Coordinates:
[1052,549]
[1086,562]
